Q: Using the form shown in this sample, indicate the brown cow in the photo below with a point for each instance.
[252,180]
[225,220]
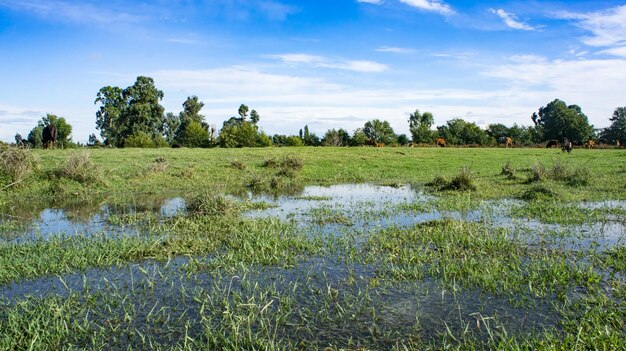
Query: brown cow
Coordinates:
[590,144]
[380,144]
[509,142]
[617,143]
[441,142]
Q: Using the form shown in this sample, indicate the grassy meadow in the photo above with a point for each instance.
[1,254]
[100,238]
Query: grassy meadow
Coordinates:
[518,249]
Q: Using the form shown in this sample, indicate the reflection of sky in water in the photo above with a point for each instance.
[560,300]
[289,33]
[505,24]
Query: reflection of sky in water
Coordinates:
[52,221]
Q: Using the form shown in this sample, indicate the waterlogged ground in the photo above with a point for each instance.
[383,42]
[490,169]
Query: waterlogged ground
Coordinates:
[342,266]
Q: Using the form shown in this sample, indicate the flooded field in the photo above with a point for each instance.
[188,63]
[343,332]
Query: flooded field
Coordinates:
[341,266]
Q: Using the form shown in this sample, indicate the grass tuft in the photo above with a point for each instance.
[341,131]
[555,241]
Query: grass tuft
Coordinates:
[463,181]
[16,164]
[80,168]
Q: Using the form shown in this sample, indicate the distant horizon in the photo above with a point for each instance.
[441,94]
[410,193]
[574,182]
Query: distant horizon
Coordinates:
[325,64]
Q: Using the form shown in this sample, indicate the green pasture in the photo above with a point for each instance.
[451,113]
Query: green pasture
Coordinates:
[212,278]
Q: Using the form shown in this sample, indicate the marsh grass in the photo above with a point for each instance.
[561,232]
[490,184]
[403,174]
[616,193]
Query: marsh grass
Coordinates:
[572,175]
[463,181]
[236,164]
[539,192]
[509,171]
[80,168]
[159,165]
[16,165]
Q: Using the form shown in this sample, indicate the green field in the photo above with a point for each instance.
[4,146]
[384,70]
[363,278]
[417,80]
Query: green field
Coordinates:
[462,248]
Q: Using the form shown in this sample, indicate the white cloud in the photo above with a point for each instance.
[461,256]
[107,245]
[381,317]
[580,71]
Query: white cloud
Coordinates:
[595,85]
[81,12]
[617,51]
[395,50]
[608,27]
[323,62]
[373,2]
[430,5]
[511,20]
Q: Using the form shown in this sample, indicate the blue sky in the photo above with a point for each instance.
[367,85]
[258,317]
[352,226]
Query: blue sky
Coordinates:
[325,63]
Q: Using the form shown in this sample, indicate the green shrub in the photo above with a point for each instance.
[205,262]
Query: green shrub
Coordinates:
[16,164]
[538,193]
[80,168]
[139,139]
[213,205]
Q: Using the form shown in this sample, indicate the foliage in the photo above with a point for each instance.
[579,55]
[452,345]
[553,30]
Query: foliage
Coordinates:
[463,181]
[16,164]
[378,131]
[35,136]
[419,126]
[358,137]
[80,168]
[617,130]
[336,137]
[308,138]
[127,112]
[195,135]
[93,140]
[402,140]
[139,139]
[460,132]
[239,132]
[559,121]
[64,129]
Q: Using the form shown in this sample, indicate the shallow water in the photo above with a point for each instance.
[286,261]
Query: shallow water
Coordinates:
[54,221]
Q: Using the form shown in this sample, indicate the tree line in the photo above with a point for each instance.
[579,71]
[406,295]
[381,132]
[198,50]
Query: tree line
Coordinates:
[134,117]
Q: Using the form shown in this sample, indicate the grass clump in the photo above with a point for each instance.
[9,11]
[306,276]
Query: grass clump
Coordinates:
[538,193]
[16,165]
[158,166]
[80,168]
[213,205]
[237,164]
[569,174]
[463,181]
[508,170]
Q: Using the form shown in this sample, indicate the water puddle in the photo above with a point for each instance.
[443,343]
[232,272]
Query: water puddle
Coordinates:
[55,221]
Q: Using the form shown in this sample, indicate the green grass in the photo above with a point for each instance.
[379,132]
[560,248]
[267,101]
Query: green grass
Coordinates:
[262,284]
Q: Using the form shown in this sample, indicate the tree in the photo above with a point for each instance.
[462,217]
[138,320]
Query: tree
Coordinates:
[254,117]
[171,124]
[378,131]
[358,137]
[559,121]
[124,112]
[419,126]
[402,139]
[498,131]
[35,136]
[64,129]
[93,140]
[308,138]
[617,130]
[190,116]
[239,132]
[460,132]
[333,137]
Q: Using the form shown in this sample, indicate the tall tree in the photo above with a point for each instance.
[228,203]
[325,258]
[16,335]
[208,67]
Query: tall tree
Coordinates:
[460,132]
[558,121]
[617,130]
[64,129]
[109,116]
[129,111]
[419,126]
[378,131]
[336,137]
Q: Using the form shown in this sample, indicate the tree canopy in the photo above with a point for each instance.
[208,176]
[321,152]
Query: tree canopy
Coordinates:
[419,126]
[617,130]
[460,132]
[559,121]
[378,131]
[129,111]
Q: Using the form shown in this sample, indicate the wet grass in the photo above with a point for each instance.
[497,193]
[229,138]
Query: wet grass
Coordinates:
[241,283]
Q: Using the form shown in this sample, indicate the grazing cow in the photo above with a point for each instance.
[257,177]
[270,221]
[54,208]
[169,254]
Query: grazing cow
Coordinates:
[49,136]
[590,144]
[567,146]
[441,142]
[552,143]
[509,142]
[617,143]
[380,144]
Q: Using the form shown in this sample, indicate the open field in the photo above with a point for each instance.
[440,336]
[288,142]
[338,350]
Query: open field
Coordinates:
[313,248]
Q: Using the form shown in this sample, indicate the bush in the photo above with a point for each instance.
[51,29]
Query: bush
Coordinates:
[139,139]
[270,163]
[80,168]
[292,163]
[538,172]
[212,205]
[463,181]
[508,170]
[573,176]
[538,193]
[17,164]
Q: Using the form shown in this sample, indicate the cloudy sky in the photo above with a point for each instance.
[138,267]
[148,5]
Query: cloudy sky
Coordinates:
[325,63]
